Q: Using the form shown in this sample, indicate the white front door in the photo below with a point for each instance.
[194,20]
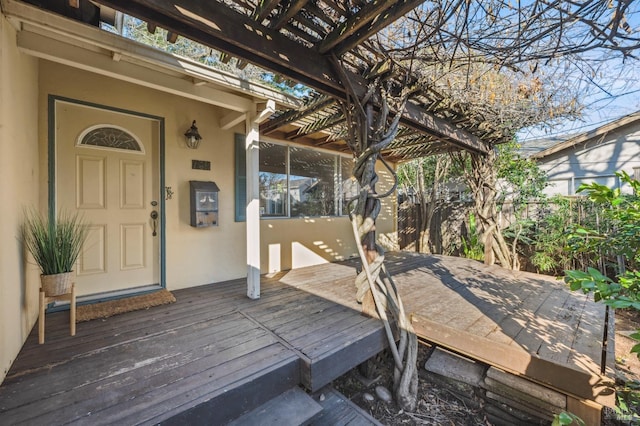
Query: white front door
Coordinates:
[107,169]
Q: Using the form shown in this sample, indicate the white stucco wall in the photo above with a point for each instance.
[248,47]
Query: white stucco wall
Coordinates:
[596,160]
[19,177]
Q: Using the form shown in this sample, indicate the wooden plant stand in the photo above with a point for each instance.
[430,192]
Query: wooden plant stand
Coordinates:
[45,300]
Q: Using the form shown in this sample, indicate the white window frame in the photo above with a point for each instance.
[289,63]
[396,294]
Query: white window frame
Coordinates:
[339,208]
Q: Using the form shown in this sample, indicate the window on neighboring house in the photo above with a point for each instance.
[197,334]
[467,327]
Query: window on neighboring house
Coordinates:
[298,182]
[311,183]
[348,186]
[273,180]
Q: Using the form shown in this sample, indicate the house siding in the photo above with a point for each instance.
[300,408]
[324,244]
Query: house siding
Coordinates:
[19,177]
[597,160]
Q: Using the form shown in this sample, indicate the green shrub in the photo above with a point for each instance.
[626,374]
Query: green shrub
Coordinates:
[472,247]
[617,236]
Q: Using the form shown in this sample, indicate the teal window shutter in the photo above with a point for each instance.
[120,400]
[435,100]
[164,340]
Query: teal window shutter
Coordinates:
[240,178]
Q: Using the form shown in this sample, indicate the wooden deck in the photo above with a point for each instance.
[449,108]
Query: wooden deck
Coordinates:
[215,354]
[527,324]
[206,359]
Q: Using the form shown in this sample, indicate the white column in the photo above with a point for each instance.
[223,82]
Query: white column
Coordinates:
[257,116]
[253,208]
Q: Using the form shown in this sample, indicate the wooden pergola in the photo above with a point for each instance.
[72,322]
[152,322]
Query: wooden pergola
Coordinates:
[297,39]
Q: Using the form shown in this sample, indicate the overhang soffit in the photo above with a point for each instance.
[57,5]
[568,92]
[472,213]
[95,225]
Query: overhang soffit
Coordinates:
[76,35]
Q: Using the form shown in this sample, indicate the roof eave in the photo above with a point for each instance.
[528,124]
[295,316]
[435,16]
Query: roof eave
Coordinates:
[627,120]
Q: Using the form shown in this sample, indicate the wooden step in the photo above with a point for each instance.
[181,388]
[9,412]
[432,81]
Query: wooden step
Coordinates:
[359,339]
[238,398]
[291,408]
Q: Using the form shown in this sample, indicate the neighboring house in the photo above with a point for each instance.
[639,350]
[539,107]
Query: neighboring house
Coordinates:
[593,156]
[95,123]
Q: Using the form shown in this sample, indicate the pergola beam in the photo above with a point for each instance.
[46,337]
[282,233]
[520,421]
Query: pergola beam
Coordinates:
[380,21]
[226,30]
[334,145]
[286,14]
[263,9]
[347,28]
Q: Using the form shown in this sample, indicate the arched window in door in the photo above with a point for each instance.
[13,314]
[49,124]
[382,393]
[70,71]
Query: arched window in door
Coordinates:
[107,136]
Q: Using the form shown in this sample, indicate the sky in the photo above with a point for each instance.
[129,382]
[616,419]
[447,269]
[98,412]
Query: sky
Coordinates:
[599,112]
[601,108]
[619,95]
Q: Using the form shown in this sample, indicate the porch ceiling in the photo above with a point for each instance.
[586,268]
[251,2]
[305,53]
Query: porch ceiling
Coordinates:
[296,39]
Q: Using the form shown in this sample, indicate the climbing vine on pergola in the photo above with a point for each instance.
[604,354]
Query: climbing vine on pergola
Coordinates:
[372,122]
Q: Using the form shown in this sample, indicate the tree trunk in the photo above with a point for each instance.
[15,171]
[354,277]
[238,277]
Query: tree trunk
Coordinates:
[481,180]
[424,207]
[428,202]
[371,129]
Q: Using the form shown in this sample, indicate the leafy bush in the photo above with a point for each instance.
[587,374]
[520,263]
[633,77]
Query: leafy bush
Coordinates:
[472,247]
[617,236]
[614,236]
[551,236]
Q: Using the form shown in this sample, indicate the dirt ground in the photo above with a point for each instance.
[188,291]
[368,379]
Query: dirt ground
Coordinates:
[438,406]
[627,322]
[627,370]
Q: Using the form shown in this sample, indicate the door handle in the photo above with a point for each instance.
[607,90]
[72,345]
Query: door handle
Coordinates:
[154,222]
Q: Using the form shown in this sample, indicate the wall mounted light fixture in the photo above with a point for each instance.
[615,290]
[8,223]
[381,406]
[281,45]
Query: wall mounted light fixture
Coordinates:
[193,137]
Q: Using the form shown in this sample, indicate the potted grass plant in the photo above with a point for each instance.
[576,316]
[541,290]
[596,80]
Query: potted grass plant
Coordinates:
[55,247]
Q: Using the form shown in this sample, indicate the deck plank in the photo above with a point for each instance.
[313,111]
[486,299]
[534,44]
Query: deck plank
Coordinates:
[90,335]
[191,391]
[333,330]
[540,329]
[125,327]
[530,324]
[331,360]
[292,310]
[586,343]
[338,410]
[316,349]
[119,359]
[512,324]
[175,361]
[131,368]
[241,397]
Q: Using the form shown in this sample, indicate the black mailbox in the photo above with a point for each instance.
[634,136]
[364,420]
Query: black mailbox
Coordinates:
[204,203]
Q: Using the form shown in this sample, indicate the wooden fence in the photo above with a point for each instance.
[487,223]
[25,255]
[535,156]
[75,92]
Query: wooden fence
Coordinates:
[448,225]
[450,222]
